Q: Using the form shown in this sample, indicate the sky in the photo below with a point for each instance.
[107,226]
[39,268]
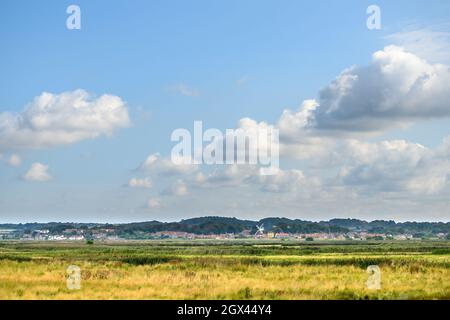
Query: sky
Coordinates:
[86,115]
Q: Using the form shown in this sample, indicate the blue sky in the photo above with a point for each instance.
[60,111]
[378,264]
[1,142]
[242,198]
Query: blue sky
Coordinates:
[173,62]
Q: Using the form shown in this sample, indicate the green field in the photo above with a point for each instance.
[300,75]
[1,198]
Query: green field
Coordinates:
[225,270]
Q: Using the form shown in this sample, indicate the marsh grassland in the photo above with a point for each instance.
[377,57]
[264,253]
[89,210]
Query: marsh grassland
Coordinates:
[225,270]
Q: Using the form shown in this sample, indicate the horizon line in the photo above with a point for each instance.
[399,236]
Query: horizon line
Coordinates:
[227,217]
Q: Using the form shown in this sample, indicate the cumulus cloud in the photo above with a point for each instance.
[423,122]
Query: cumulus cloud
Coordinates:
[38,172]
[251,142]
[297,139]
[396,88]
[395,166]
[60,119]
[379,165]
[329,136]
[140,183]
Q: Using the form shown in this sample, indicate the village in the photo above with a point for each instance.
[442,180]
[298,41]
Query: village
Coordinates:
[110,235]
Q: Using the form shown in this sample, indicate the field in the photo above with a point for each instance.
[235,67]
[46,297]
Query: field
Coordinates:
[225,270]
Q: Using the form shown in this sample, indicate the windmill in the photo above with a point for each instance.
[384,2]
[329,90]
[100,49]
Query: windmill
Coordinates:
[259,230]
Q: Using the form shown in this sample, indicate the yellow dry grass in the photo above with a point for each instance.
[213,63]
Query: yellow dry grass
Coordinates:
[46,279]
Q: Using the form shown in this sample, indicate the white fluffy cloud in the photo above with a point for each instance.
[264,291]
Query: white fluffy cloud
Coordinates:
[59,119]
[397,88]
[325,145]
[384,166]
[401,167]
[38,172]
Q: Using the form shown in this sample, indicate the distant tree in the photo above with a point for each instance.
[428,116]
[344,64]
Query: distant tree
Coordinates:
[89,242]
[309,239]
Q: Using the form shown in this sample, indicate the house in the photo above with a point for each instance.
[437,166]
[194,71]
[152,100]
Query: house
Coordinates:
[281,235]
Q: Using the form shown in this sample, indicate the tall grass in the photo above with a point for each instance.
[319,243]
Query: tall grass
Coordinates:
[217,271]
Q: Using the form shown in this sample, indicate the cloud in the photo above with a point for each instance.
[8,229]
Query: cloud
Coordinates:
[396,89]
[289,181]
[225,176]
[38,172]
[331,167]
[59,119]
[156,164]
[382,166]
[185,90]
[297,139]
[251,140]
[395,166]
[140,183]
[238,176]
